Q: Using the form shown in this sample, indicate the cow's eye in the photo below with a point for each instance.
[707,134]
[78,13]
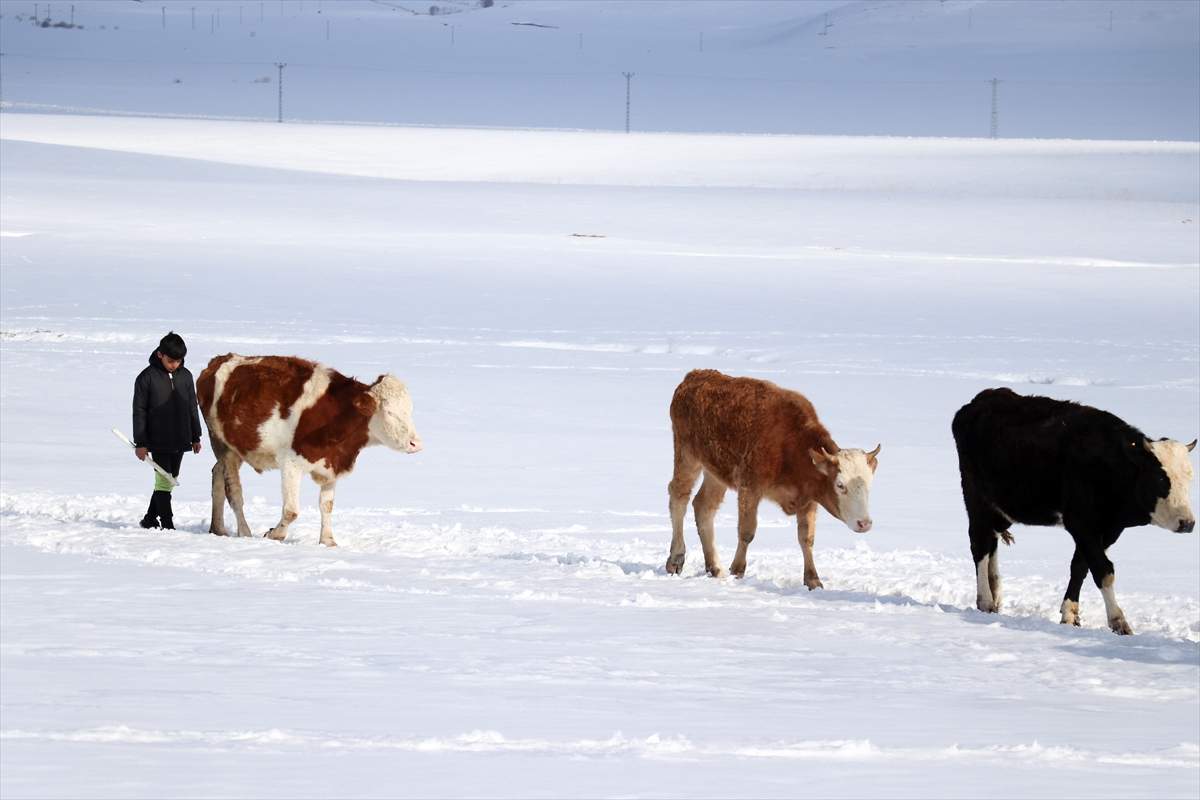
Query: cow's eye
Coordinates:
[841,486]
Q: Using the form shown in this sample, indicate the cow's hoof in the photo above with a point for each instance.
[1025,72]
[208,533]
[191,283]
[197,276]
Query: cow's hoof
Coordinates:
[813,583]
[329,542]
[276,534]
[218,533]
[675,564]
[987,608]
[719,572]
[1120,627]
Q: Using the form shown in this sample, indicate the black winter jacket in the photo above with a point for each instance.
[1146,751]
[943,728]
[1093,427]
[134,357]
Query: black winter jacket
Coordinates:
[166,417]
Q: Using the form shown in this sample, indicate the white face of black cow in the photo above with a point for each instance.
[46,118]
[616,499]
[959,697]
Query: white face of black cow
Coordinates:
[392,422]
[1174,512]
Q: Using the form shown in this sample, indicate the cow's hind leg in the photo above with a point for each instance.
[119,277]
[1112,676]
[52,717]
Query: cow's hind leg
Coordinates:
[327,490]
[687,469]
[227,486]
[747,526]
[1070,603]
[290,474]
[217,523]
[705,506]
[806,531]
[985,526]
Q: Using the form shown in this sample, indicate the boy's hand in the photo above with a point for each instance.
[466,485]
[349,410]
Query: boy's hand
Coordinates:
[196,447]
[141,453]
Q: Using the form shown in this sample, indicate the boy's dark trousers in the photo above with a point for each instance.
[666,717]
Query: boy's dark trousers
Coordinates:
[159,514]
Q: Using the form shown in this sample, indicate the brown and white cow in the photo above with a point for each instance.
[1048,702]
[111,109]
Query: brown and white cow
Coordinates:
[296,416]
[763,442]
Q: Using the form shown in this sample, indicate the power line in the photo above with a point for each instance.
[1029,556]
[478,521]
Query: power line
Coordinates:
[601,73]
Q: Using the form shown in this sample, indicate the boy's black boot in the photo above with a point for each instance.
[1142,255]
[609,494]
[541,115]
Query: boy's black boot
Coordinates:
[166,517]
[151,518]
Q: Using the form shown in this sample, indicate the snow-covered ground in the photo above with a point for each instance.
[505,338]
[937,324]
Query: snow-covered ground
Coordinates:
[1090,69]
[497,620]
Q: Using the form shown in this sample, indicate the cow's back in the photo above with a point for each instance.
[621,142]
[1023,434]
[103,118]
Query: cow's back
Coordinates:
[742,429]
[238,395]
[1023,452]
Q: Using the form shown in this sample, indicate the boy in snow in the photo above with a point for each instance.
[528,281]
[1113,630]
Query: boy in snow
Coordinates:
[166,421]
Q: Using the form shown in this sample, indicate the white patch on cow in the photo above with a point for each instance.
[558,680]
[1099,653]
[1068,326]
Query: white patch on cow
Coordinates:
[855,474]
[1174,511]
[276,434]
[392,422]
[1070,612]
[983,588]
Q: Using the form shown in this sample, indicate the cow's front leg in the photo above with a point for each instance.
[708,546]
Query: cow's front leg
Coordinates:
[1070,603]
[327,489]
[290,473]
[1091,543]
[806,532]
[747,525]
[705,506]
[1116,617]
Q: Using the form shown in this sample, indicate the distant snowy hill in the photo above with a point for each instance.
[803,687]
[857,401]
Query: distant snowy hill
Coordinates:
[1095,70]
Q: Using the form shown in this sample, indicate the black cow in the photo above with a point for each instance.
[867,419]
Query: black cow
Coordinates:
[1039,461]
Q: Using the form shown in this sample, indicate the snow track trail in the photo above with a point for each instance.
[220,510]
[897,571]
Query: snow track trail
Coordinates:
[598,558]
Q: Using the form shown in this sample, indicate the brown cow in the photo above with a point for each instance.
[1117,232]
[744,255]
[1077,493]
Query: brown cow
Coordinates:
[296,416]
[763,442]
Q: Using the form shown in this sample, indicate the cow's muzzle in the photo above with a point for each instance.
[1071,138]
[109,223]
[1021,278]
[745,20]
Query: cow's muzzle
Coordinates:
[1186,526]
[862,525]
[414,444]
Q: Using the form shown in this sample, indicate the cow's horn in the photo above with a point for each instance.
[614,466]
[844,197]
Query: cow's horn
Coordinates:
[1192,446]
[874,452]
[827,456]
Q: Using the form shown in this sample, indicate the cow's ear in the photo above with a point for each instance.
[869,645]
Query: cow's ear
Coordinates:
[820,460]
[365,404]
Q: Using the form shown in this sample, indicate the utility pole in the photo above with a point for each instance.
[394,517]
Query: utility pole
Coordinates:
[164,17]
[1110,22]
[281,66]
[73,18]
[628,77]
[701,41]
[995,82]
[193,19]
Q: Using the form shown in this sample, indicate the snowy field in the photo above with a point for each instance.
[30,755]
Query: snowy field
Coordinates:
[497,620]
